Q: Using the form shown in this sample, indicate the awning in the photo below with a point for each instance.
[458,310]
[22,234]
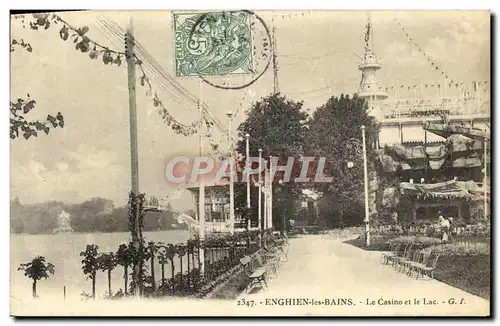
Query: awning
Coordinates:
[461,143]
[446,130]
[443,190]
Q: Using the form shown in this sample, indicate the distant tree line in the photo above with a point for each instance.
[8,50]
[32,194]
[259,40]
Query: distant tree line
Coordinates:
[94,215]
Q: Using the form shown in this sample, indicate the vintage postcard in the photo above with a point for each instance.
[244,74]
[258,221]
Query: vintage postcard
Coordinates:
[250,163]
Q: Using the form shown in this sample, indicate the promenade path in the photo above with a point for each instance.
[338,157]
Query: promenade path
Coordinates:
[319,268]
[322,267]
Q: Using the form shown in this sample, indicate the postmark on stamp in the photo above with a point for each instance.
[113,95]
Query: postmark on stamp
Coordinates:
[213,43]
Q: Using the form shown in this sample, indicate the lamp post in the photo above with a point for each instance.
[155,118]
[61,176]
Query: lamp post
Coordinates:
[270,215]
[485,179]
[247,136]
[283,217]
[231,174]
[266,198]
[260,198]
[367,211]
[355,144]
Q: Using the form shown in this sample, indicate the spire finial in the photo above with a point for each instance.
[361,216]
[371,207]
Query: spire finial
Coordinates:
[369,33]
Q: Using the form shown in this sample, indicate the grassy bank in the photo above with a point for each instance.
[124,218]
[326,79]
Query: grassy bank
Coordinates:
[376,244]
[470,273]
[233,288]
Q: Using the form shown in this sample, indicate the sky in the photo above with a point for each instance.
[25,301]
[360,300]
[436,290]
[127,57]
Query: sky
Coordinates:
[318,56]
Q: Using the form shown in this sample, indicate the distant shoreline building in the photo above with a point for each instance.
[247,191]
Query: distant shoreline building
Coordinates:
[63,223]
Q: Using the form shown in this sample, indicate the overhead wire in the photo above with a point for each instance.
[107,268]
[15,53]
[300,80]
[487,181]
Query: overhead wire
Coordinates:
[160,72]
[118,44]
[154,63]
[164,84]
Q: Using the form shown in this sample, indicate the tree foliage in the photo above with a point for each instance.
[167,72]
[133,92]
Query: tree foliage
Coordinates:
[335,133]
[43,21]
[124,258]
[84,44]
[37,269]
[107,263]
[278,126]
[20,125]
[90,264]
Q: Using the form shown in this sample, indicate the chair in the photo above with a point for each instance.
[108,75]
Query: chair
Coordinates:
[271,256]
[394,250]
[429,270]
[280,244]
[412,257]
[397,258]
[422,261]
[405,258]
[261,262]
[255,275]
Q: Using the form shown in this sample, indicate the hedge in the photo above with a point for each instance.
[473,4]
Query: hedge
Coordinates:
[460,249]
[419,241]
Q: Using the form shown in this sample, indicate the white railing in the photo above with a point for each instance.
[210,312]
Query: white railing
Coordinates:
[216,226]
[389,110]
[222,227]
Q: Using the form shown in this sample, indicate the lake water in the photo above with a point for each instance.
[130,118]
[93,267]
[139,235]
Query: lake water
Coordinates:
[63,250]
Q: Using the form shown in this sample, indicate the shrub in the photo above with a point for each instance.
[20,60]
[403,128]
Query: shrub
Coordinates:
[460,249]
[419,241]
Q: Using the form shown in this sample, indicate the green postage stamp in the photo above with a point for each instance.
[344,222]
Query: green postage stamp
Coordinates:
[213,43]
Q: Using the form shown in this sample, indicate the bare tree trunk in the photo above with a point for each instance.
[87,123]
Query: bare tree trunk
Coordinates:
[188,275]
[34,289]
[93,285]
[173,275]
[341,216]
[125,276]
[162,275]
[109,282]
[153,267]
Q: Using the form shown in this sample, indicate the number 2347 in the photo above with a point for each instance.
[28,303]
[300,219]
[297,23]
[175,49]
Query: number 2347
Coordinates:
[244,302]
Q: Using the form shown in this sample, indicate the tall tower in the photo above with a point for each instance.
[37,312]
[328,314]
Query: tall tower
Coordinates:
[369,87]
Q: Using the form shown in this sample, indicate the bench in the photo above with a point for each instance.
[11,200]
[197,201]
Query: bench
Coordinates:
[407,263]
[408,255]
[386,256]
[425,269]
[281,244]
[256,275]
[396,258]
[272,256]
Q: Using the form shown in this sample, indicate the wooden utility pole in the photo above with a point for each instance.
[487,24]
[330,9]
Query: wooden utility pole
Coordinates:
[201,197]
[134,161]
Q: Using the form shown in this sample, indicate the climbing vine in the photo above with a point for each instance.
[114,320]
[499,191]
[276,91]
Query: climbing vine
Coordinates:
[19,124]
[177,127]
[79,36]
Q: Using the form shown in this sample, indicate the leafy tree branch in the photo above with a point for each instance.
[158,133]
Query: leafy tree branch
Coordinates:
[20,125]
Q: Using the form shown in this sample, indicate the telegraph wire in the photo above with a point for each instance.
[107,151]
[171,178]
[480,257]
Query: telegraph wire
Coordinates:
[163,83]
